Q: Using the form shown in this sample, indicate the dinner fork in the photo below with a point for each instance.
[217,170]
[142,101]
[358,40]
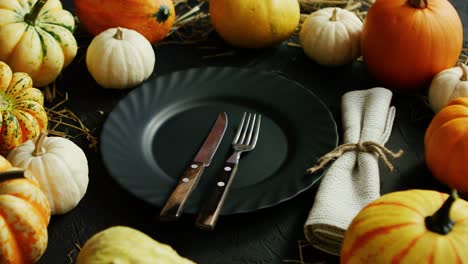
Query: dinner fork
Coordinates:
[244,141]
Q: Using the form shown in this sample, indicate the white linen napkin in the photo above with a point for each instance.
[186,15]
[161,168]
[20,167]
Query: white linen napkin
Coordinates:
[352,181]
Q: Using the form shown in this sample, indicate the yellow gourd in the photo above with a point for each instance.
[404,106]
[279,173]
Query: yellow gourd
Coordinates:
[254,23]
[121,244]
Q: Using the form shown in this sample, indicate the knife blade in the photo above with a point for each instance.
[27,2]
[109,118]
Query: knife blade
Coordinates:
[174,205]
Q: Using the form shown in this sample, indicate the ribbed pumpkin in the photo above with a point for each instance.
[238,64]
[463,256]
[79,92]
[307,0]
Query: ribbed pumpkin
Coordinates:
[448,85]
[22,115]
[446,145]
[36,37]
[405,43]
[60,167]
[331,36]
[120,58]
[254,23]
[24,216]
[151,18]
[413,226]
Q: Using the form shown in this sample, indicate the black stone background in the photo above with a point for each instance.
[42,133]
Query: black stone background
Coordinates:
[266,236]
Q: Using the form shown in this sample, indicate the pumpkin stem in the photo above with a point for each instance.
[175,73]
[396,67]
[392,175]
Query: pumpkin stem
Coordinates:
[30,17]
[333,17]
[418,3]
[440,222]
[118,34]
[39,150]
[464,76]
[11,175]
[162,14]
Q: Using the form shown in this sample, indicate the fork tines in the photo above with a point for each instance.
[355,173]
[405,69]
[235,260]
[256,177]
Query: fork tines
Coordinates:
[241,137]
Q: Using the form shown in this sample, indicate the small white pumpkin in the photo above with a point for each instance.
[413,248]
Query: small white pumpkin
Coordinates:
[120,58]
[331,36]
[60,167]
[447,85]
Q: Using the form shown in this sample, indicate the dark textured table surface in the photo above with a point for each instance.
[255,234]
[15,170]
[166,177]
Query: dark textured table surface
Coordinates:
[265,236]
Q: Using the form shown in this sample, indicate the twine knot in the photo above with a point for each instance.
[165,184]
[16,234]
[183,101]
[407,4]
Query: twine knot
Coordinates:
[367,146]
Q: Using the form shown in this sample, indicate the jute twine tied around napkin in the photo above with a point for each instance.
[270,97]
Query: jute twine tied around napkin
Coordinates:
[352,180]
[367,146]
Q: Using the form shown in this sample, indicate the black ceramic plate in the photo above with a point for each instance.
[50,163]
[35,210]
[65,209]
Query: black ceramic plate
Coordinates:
[156,130]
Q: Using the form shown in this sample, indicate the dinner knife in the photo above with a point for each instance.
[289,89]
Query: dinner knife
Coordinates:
[188,181]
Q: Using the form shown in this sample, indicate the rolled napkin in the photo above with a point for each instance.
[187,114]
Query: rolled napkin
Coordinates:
[353,180]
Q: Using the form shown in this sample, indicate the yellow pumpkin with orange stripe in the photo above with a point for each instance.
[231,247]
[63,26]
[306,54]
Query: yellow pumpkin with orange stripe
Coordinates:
[24,216]
[413,226]
[22,115]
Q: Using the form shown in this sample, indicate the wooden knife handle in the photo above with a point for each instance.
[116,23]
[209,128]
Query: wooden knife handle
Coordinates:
[209,213]
[175,203]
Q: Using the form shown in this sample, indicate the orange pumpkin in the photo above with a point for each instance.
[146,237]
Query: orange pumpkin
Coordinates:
[24,216]
[405,43]
[446,145]
[412,226]
[151,18]
[254,23]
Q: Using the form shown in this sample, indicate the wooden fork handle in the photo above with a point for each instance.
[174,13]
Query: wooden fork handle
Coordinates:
[187,183]
[211,208]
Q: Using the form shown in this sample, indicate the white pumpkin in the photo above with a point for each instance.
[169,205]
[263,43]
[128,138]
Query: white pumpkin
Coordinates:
[447,85]
[120,58]
[331,36]
[60,167]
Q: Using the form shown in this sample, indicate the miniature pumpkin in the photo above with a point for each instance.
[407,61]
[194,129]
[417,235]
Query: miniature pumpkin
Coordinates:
[412,226]
[25,214]
[120,58]
[331,36]
[22,115]
[446,145]
[36,37]
[60,167]
[405,43]
[151,18]
[254,23]
[448,85]
[121,244]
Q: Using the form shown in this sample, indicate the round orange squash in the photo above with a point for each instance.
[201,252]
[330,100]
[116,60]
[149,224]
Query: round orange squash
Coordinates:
[24,216]
[412,226]
[446,145]
[254,23]
[151,18]
[405,43]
